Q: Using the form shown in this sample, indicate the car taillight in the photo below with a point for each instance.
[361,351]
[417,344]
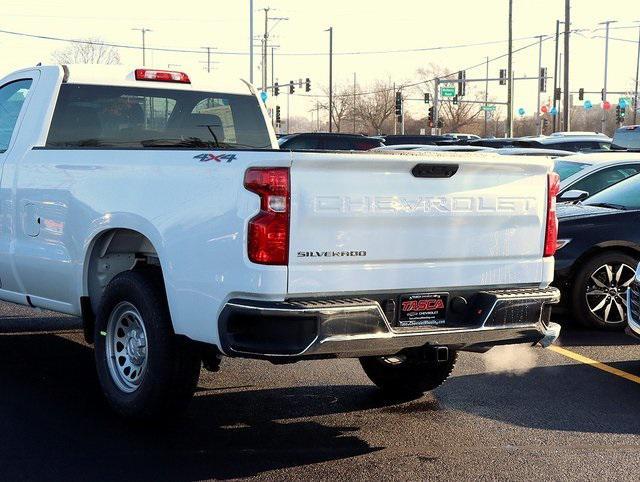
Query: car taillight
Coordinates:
[162,76]
[551,236]
[268,240]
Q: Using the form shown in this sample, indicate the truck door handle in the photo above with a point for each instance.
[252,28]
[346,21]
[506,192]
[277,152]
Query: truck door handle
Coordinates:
[434,170]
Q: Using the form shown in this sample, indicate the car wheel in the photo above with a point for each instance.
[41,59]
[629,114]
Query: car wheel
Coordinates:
[145,370]
[599,290]
[409,375]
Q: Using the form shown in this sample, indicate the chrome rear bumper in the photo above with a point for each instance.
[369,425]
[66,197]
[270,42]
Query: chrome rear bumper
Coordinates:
[355,327]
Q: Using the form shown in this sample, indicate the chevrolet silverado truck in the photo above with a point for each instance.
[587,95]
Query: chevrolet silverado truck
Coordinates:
[159,208]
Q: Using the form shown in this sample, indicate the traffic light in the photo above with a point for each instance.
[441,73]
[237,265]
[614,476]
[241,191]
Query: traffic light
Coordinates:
[276,89]
[455,100]
[440,124]
[307,85]
[545,122]
[602,95]
[620,113]
[543,79]
[503,76]
[462,75]
[427,97]
[557,94]
[278,115]
[430,116]
[581,94]
[292,87]
[399,105]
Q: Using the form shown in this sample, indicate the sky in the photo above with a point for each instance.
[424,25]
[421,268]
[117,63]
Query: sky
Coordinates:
[359,26]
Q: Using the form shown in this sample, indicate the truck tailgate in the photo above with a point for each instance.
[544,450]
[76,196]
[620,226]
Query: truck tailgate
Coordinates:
[379,222]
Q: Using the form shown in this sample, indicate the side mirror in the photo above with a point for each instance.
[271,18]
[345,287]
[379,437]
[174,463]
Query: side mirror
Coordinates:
[573,196]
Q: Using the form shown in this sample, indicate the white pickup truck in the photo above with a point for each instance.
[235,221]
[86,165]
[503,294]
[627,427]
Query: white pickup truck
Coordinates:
[160,210]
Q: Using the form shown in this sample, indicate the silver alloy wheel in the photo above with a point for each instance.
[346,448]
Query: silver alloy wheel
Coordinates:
[126,347]
[606,292]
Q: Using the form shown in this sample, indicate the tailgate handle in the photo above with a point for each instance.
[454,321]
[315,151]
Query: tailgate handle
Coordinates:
[434,170]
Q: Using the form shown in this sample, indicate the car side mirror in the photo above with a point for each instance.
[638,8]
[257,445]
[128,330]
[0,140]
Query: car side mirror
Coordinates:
[573,196]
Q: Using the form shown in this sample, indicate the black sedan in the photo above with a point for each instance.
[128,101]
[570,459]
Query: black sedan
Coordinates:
[599,249]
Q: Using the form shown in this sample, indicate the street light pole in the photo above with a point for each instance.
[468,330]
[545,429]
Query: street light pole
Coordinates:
[635,97]
[567,26]
[354,102]
[144,45]
[251,41]
[538,119]
[509,126]
[486,97]
[555,76]
[330,79]
[606,69]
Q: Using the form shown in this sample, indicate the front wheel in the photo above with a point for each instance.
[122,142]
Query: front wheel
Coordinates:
[144,369]
[408,375]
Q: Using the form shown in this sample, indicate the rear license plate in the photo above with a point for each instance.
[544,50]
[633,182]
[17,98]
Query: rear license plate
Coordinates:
[423,309]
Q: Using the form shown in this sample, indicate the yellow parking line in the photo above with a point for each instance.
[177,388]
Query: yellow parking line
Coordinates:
[595,364]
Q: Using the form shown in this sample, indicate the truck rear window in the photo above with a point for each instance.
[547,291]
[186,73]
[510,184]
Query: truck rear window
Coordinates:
[91,116]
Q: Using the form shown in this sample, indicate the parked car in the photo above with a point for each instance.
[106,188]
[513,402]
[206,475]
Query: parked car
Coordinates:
[499,142]
[579,134]
[183,234]
[592,173]
[598,251]
[530,151]
[574,143]
[633,306]
[626,138]
[400,147]
[455,148]
[462,137]
[394,139]
[325,141]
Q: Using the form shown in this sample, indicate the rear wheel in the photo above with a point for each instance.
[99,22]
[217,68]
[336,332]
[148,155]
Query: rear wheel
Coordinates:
[144,369]
[599,290]
[408,375]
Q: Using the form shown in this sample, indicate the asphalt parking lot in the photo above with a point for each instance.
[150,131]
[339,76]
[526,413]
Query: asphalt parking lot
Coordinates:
[517,413]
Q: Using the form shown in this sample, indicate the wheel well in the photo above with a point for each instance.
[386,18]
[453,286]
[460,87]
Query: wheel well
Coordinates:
[596,250]
[113,252]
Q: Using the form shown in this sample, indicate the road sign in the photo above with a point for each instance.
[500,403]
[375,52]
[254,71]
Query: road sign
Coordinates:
[448,91]
[488,108]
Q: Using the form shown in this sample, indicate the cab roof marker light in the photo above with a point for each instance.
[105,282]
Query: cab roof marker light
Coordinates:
[153,75]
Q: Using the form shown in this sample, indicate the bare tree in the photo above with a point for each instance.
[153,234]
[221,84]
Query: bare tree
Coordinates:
[342,106]
[455,116]
[374,109]
[88,51]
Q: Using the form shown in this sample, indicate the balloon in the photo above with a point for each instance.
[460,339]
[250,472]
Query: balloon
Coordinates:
[622,103]
[553,111]
[587,104]
[606,105]
[521,111]
[263,96]
[544,109]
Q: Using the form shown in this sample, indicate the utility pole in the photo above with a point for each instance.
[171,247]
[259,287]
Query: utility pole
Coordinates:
[265,46]
[510,74]
[486,97]
[208,49]
[635,97]
[538,118]
[606,71]
[567,27]
[272,66]
[354,102]
[560,108]
[436,104]
[330,30]
[395,120]
[251,41]
[556,84]
[144,44]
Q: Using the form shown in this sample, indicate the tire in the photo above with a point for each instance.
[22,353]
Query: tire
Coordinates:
[598,294]
[407,376]
[133,324]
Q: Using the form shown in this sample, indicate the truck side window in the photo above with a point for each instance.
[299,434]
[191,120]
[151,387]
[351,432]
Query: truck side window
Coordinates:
[12,97]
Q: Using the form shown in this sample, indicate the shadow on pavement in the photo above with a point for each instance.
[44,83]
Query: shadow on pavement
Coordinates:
[576,336]
[56,426]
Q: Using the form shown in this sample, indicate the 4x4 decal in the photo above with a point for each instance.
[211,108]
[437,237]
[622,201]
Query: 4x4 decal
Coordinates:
[214,157]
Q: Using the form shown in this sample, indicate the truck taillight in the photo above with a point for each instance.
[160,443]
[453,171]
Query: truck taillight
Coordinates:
[551,236]
[162,76]
[268,240]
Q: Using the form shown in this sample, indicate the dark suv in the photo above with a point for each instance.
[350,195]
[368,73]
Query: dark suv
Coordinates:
[321,141]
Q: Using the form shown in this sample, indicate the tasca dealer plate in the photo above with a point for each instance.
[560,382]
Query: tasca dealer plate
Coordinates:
[423,309]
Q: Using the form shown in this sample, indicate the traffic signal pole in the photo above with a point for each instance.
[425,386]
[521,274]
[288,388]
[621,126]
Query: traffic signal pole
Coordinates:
[567,27]
[635,97]
[436,106]
[538,118]
[509,126]
[555,76]
[606,71]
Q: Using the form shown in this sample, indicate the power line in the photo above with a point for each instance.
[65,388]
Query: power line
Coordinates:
[230,52]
